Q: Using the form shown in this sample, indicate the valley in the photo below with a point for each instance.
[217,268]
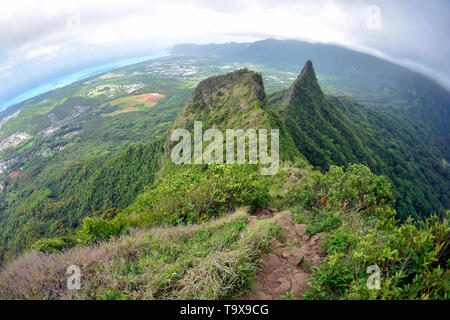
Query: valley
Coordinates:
[89,164]
[113,111]
[213,231]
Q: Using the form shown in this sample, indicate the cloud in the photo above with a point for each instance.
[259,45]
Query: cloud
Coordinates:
[48,51]
[106,34]
[412,32]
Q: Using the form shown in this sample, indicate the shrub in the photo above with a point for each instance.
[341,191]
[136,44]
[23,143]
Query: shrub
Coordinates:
[413,258]
[50,245]
[355,188]
[198,193]
[97,229]
[353,207]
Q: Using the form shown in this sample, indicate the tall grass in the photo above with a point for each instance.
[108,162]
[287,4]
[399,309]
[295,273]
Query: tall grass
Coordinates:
[214,260]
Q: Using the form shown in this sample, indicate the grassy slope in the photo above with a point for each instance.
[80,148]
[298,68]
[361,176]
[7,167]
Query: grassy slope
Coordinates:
[218,259]
[214,260]
[353,206]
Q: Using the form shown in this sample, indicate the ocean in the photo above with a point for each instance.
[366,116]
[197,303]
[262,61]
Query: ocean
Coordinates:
[73,77]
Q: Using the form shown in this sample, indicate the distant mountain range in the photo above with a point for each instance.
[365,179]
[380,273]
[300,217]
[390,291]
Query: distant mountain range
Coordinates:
[396,120]
[418,99]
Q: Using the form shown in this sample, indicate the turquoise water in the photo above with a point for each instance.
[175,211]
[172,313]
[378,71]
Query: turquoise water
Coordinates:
[73,77]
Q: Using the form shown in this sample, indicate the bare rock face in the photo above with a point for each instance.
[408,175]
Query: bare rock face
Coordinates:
[283,287]
[300,231]
[294,255]
[271,262]
[285,219]
[312,249]
[300,285]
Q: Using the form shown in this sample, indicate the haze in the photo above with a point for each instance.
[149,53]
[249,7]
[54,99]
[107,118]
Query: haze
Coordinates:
[47,39]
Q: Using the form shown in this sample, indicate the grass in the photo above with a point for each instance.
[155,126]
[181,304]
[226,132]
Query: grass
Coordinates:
[215,260]
[288,296]
[317,221]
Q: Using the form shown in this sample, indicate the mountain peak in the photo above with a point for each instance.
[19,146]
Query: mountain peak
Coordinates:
[232,100]
[307,77]
[306,84]
[230,80]
[308,69]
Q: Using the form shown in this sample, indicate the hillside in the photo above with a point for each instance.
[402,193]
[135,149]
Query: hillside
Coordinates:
[319,129]
[236,100]
[335,130]
[89,147]
[78,148]
[208,231]
[418,103]
[413,97]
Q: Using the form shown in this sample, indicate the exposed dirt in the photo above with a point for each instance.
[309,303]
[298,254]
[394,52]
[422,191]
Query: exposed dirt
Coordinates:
[288,267]
[150,99]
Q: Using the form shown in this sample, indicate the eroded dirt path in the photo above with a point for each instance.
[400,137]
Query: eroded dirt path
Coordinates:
[288,267]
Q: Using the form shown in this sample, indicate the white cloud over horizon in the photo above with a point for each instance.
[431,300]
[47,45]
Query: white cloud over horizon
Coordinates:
[57,33]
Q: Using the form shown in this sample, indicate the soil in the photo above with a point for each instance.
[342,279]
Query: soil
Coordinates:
[288,267]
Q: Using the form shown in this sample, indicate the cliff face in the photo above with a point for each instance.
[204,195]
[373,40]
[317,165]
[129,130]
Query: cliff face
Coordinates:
[232,100]
[305,86]
[319,128]
[235,100]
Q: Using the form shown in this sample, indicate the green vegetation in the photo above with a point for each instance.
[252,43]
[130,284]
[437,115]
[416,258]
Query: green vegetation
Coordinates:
[63,199]
[49,245]
[214,260]
[288,296]
[354,208]
[329,130]
[105,161]
[188,194]
[218,258]
[195,194]
[141,227]
[413,259]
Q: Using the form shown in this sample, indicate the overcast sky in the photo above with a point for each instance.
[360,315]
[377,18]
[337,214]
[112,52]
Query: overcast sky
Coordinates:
[40,39]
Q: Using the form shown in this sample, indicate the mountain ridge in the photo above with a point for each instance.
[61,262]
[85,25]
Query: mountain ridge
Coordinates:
[290,49]
[239,102]
[398,91]
[210,231]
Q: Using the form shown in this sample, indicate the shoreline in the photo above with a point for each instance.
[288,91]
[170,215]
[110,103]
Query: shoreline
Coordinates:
[74,77]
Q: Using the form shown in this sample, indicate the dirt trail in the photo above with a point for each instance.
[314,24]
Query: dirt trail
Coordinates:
[288,268]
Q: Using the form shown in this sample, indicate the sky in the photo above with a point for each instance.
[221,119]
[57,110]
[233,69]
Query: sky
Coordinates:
[42,40]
